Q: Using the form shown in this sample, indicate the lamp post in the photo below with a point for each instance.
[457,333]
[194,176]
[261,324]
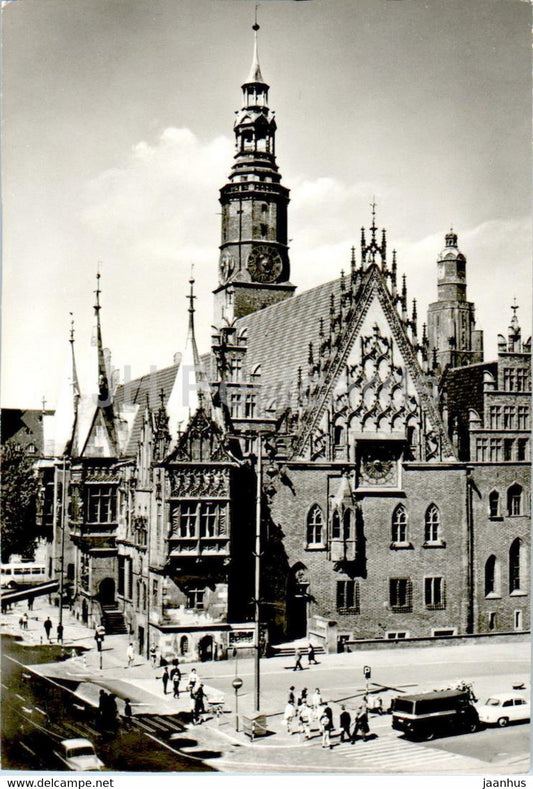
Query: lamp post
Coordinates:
[257,585]
[237,684]
[62,554]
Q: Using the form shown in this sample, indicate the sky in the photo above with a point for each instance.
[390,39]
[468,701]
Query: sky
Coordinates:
[117,135]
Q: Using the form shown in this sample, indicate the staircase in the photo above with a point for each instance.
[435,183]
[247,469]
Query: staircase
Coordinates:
[113,620]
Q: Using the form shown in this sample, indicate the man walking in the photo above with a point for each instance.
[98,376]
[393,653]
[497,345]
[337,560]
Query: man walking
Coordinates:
[130,655]
[165,678]
[176,679]
[48,627]
[298,665]
[311,655]
[361,723]
[345,723]
[60,633]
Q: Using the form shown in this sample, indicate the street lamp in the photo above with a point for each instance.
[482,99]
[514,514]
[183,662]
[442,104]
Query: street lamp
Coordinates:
[237,684]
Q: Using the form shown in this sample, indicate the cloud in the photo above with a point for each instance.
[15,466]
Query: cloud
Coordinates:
[157,214]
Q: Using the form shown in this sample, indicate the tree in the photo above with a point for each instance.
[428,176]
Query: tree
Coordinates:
[19,487]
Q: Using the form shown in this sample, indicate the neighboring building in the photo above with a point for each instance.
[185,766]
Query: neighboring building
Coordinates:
[395,473]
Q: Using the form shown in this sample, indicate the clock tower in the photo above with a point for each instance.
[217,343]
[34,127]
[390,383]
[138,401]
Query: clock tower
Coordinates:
[254,257]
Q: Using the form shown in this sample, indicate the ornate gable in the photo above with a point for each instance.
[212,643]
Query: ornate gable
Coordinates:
[203,441]
[371,387]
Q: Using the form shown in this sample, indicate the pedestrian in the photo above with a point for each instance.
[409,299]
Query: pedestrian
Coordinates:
[174,668]
[199,707]
[303,695]
[59,633]
[165,678]
[25,620]
[361,723]
[311,655]
[345,723]
[48,627]
[193,679]
[102,707]
[112,710]
[21,623]
[153,655]
[291,699]
[298,664]
[289,715]
[127,713]
[176,679]
[30,603]
[326,725]
[316,700]
[130,655]
[304,719]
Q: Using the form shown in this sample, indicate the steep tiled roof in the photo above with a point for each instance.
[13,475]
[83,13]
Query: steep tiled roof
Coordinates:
[137,391]
[23,427]
[278,339]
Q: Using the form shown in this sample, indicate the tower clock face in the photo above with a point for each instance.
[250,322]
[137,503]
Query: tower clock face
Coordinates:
[264,264]
[378,465]
[227,265]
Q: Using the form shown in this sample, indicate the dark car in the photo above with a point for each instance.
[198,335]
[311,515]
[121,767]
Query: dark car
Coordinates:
[423,716]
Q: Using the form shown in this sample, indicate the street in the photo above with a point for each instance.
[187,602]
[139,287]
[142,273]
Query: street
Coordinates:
[161,737]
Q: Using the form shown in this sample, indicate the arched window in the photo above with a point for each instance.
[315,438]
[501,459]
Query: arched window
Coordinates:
[315,524]
[399,524]
[184,645]
[432,530]
[347,523]
[335,526]
[492,576]
[514,500]
[516,569]
[338,435]
[494,504]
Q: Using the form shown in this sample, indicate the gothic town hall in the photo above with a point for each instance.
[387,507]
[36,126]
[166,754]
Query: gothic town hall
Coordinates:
[383,460]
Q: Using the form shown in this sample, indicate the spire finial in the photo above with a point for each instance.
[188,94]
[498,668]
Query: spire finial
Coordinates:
[255,70]
[191,295]
[97,306]
[71,340]
[373,227]
[43,401]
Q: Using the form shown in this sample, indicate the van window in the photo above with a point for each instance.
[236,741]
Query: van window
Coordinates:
[403,705]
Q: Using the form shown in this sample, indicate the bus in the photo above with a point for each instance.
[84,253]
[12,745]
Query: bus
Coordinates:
[22,574]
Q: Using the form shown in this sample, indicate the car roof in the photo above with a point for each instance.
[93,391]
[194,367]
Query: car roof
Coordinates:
[503,696]
[76,743]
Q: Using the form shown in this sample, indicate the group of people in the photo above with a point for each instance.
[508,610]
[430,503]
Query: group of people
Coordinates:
[302,714]
[108,710]
[311,659]
[195,688]
[47,624]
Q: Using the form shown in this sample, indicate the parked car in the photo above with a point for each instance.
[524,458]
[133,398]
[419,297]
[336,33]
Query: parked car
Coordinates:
[78,754]
[504,708]
[423,716]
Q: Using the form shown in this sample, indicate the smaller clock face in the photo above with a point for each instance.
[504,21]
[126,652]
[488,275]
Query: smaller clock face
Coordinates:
[378,466]
[264,264]
[227,265]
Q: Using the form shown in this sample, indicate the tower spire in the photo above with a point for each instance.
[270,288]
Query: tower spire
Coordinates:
[255,69]
[104,392]
[190,388]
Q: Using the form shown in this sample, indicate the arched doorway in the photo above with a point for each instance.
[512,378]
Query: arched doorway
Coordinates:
[205,648]
[106,591]
[297,600]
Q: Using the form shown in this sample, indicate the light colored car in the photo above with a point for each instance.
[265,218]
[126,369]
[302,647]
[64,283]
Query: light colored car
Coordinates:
[78,754]
[504,708]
